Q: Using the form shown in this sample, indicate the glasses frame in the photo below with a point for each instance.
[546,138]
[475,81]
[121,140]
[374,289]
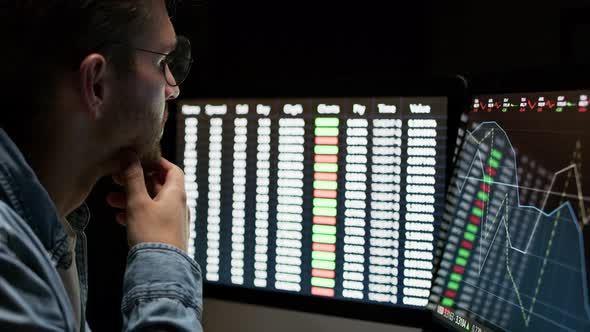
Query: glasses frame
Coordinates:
[166,61]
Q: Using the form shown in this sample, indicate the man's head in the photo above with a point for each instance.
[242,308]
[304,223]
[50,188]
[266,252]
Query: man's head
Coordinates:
[74,69]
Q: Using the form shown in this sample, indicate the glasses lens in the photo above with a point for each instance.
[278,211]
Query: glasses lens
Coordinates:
[180,60]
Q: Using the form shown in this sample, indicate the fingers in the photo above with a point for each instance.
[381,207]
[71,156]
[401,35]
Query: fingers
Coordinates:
[173,174]
[135,186]
[121,218]
[117,200]
[119,179]
[154,185]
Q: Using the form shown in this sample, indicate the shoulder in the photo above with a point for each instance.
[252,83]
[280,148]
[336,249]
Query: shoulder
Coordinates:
[18,239]
[31,284]
[9,223]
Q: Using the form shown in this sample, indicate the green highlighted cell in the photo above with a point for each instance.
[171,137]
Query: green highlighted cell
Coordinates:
[446,302]
[325,149]
[326,131]
[327,122]
[469,236]
[324,212]
[322,255]
[488,179]
[325,185]
[496,154]
[326,265]
[322,238]
[461,261]
[324,202]
[324,229]
[453,285]
[477,212]
[323,282]
[456,277]
[493,163]
[483,196]
[325,167]
[472,228]
[464,253]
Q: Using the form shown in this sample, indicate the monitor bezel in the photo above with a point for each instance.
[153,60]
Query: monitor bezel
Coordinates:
[454,88]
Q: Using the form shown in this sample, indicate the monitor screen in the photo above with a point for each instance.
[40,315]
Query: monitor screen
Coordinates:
[333,198]
[514,253]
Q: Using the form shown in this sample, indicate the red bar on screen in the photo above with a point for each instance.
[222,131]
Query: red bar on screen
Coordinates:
[323,273]
[325,176]
[323,140]
[322,291]
[323,247]
[324,193]
[324,220]
[466,244]
[325,158]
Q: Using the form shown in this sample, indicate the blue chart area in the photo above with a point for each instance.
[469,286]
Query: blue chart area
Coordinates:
[522,267]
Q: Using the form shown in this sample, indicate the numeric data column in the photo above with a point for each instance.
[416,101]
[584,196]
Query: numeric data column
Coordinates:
[239,200]
[290,204]
[325,185]
[190,178]
[419,226]
[214,199]
[262,206]
[355,207]
[385,198]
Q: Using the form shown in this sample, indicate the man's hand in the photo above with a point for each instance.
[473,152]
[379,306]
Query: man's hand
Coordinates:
[155,208]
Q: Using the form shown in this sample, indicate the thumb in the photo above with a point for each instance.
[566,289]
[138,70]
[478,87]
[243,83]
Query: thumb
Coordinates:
[134,181]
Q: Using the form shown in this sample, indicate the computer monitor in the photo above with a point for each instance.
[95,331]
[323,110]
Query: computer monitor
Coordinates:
[514,250]
[328,205]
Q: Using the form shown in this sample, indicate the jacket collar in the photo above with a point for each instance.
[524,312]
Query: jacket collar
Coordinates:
[21,190]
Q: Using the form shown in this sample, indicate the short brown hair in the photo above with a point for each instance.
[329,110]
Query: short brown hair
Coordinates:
[44,38]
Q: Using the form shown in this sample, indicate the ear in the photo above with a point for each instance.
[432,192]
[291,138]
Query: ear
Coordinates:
[93,81]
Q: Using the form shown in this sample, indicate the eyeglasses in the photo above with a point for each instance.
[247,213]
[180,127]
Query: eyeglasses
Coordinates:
[176,64]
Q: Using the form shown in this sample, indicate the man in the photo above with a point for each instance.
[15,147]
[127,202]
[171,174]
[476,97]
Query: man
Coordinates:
[85,84]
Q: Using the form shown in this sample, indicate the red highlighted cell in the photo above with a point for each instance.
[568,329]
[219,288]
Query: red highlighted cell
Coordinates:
[321,220]
[466,244]
[324,193]
[485,187]
[322,291]
[450,293]
[325,158]
[323,247]
[458,269]
[490,171]
[326,140]
[475,220]
[479,204]
[323,273]
[325,176]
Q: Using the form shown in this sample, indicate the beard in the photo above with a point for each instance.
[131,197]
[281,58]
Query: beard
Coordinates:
[152,154]
[150,159]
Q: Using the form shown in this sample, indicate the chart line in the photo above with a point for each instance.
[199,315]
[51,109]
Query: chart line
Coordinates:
[540,212]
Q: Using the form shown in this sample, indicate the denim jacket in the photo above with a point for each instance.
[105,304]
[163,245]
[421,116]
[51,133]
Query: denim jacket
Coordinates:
[162,289]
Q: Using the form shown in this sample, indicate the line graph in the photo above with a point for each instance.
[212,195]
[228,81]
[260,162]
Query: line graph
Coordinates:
[555,236]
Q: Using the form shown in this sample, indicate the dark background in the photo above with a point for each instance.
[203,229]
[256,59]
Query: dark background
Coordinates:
[250,45]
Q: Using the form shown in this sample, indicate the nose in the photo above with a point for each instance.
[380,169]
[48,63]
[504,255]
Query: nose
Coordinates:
[172,92]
